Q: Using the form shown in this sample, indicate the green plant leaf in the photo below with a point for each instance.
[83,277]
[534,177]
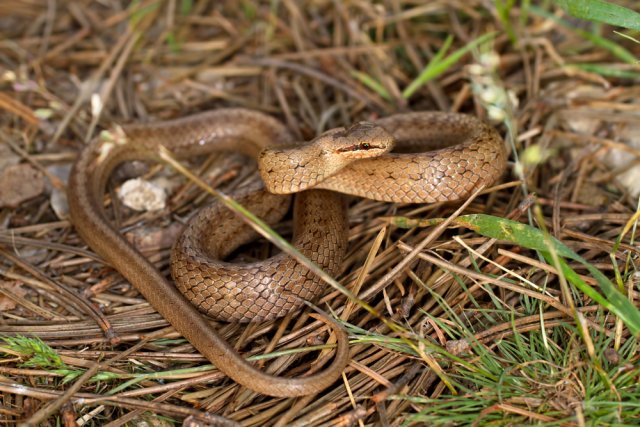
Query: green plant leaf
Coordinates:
[602,11]
[614,48]
[608,70]
[532,238]
[372,84]
[39,353]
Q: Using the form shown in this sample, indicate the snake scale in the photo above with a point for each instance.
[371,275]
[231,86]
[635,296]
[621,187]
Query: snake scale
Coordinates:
[436,157]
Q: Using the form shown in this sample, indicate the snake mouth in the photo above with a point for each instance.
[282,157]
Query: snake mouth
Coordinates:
[365,146]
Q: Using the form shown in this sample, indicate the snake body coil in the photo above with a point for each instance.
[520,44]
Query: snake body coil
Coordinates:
[353,161]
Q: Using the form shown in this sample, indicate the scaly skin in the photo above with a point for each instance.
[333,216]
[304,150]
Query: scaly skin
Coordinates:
[276,286]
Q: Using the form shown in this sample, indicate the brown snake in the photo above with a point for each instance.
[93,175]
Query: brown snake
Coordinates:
[468,154]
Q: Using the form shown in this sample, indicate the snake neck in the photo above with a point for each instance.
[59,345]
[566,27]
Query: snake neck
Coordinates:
[286,171]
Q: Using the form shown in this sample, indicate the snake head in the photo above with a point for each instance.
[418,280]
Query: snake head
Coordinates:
[301,167]
[362,140]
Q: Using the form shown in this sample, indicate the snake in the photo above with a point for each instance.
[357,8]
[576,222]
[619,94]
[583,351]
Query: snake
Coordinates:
[416,157]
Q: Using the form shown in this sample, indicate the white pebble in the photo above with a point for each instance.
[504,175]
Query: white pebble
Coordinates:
[142,195]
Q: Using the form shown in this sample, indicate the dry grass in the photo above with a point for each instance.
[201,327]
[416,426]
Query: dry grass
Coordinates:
[71,68]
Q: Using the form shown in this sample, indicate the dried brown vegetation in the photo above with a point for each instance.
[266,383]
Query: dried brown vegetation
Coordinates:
[72,68]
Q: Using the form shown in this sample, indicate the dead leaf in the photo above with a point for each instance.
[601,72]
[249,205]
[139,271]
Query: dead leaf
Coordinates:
[7,157]
[19,183]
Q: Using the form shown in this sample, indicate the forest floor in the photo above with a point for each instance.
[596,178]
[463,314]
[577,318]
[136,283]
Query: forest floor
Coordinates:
[521,308]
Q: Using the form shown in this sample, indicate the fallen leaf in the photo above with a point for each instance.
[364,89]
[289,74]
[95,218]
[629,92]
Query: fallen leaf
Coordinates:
[19,183]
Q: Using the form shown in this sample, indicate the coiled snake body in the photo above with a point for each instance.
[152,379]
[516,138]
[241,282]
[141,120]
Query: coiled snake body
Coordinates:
[466,154]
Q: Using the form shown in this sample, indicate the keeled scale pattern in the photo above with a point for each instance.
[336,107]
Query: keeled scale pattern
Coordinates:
[265,289]
[450,172]
[451,155]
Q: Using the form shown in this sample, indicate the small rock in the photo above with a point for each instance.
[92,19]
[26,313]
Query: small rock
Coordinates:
[141,195]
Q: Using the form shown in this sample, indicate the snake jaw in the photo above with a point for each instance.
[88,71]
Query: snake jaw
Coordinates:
[362,147]
[363,140]
[287,170]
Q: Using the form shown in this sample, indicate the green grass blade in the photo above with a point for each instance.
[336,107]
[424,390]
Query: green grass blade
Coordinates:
[140,10]
[372,84]
[532,238]
[438,65]
[602,11]
[186,6]
[608,70]
[503,8]
[614,48]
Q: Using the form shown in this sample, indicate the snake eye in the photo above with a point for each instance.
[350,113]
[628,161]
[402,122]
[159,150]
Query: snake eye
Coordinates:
[365,145]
